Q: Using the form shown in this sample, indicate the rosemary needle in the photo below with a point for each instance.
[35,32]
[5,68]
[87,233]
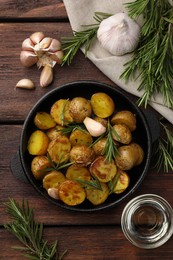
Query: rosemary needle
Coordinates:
[29,233]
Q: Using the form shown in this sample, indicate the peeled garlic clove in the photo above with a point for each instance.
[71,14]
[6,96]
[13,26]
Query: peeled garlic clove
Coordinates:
[25,83]
[57,56]
[28,58]
[54,46]
[119,34]
[53,193]
[94,128]
[46,76]
[37,37]
[27,45]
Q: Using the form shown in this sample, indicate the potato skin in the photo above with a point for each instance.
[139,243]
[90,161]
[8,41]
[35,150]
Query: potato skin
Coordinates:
[102,105]
[78,173]
[123,132]
[80,137]
[79,109]
[71,193]
[44,121]
[102,169]
[124,117]
[99,146]
[97,197]
[53,179]
[55,132]
[38,165]
[129,156]
[60,112]
[82,155]
[59,149]
[122,183]
[38,143]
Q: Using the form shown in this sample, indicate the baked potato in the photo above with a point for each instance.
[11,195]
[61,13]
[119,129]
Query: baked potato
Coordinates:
[44,121]
[53,179]
[71,193]
[124,117]
[99,146]
[55,132]
[38,143]
[122,183]
[59,149]
[102,105]
[39,166]
[102,169]
[96,196]
[123,133]
[80,137]
[79,109]
[78,173]
[60,112]
[82,155]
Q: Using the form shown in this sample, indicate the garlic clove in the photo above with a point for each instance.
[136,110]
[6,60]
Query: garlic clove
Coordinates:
[57,56]
[25,83]
[54,46]
[94,128]
[46,76]
[37,37]
[53,193]
[27,45]
[119,34]
[45,43]
[28,58]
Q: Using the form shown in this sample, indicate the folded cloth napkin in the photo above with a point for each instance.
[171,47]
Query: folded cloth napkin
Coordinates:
[80,12]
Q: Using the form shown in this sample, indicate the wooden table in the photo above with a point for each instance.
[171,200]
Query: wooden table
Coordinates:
[87,236]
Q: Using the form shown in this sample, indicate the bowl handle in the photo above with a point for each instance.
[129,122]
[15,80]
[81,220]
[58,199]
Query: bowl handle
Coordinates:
[153,124]
[17,169]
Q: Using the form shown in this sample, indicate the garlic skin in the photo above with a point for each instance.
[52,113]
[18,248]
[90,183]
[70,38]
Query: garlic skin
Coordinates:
[119,34]
[25,83]
[45,52]
[46,76]
[94,127]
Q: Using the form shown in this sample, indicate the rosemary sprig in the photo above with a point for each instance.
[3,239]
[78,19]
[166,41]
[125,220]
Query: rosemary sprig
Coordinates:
[71,45]
[154,56]
[94,183]
[164,151]
[29,233]
[110,150]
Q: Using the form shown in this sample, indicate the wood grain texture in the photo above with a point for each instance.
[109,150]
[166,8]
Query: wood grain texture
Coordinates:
[40,9]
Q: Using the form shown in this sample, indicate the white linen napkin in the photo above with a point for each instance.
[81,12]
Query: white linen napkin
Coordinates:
[80,12]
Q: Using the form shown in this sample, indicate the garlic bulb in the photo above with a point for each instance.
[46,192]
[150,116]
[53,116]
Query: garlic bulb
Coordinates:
[43,51]
[119,34]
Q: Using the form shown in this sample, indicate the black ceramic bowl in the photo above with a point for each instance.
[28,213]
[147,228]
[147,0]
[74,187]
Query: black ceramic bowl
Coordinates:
[143,135]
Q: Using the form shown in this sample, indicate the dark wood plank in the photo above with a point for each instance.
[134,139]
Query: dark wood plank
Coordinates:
[41,9]
[89,243]
[11,70]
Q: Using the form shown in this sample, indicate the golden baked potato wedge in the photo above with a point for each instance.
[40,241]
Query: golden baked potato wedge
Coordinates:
[60,112]
[44,121]
[122,183]
[124,117]
[78,173]
[39,165]
[59,149]
[102,105]
[38,143]
[102,169]
[79,137]
[71,193]
[96,196]
[53,179]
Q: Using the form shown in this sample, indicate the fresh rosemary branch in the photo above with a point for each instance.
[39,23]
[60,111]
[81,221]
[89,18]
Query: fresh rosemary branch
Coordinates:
[71,45]
[29,233]
[110,149]
[153,57]
[164,151]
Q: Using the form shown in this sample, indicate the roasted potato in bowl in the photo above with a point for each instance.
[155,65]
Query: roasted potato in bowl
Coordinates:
[86,89]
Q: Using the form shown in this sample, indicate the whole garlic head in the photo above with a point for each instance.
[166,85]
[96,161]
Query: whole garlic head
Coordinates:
[119,34]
